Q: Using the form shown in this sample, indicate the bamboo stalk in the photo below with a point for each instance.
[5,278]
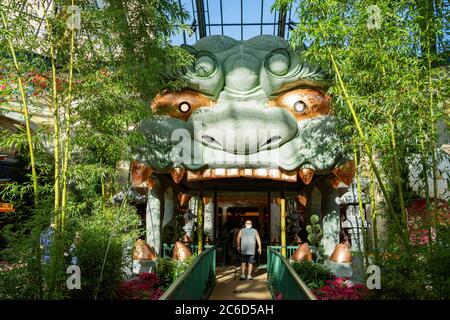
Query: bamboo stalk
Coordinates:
[397,172]
[25,114]
[368,152]
[361,209]
[373,211]
[433,134]
[67,131]
[56,123]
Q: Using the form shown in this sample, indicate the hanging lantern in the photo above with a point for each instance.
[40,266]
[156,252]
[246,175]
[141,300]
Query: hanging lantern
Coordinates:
[142,251]
[180,251]
[183,199]
[177,174]
[303,253]
[302,199]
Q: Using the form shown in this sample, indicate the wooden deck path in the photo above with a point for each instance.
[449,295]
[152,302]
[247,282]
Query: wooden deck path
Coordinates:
[227,288]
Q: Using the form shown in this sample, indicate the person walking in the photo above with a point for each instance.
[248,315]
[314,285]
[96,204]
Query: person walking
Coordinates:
[247,239]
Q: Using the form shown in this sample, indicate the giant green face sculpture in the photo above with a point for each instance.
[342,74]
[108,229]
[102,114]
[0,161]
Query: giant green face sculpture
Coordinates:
[252,109]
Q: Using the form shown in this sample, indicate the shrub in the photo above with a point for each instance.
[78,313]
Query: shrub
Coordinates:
[102,240]
[168,270]
[313,274]
[422,274]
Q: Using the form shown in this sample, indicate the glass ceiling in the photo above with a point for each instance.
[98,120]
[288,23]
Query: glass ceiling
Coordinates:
[239,19]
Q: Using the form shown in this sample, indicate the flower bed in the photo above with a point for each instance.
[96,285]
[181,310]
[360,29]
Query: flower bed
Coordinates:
[143,287]
[325,285]
[341,289]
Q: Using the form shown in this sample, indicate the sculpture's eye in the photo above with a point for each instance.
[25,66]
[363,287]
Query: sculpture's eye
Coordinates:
[184,107]
[299,106]
[303,103]
[180,104]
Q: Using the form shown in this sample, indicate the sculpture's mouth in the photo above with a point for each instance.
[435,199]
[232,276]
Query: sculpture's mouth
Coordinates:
[314,150]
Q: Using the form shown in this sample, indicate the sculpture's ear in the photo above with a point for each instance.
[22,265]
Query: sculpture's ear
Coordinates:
[205,74]
[278,62]
[189,49]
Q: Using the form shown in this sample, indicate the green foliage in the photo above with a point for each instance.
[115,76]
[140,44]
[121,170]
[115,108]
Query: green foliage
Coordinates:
[392,71]
[103,235]
[423,275]
[313,274]
[168,270]
[122,58]
[315,234]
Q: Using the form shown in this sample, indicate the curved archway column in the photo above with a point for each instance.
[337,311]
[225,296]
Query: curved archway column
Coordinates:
[154,214]
[330,215]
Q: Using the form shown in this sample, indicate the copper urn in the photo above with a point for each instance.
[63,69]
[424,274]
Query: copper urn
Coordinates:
[303,253]
[142,251]
[341,254]
[180,251]
[187,239]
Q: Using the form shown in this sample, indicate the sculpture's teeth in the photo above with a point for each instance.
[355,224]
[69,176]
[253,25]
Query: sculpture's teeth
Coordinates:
[177,174]
[248,173]
[289,176]
[219,173]
[207,174]
[334,181]
[306,174]
[193,175]
[259,173]
[345,172]
[302,199]
[275,174]
[234,172]
[183,199]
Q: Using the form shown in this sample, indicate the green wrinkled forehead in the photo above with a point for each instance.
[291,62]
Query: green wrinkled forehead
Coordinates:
[263,64]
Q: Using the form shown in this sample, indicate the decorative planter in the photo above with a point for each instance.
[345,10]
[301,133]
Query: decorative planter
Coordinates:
[303,253]
[144,257]
[181,252]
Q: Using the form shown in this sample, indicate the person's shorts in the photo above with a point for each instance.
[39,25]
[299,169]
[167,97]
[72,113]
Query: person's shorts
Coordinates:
[248,258]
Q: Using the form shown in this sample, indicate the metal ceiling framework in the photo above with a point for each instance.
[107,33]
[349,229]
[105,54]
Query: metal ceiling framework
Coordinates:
[201,24]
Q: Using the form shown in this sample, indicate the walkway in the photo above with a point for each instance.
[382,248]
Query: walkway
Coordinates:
[227,288]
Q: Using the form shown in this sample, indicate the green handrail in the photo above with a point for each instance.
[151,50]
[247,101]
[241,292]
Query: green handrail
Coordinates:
[289,250]
[197,281]
[282,278]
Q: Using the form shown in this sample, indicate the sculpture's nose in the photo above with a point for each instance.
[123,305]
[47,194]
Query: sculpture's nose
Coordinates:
[241,72]
[243,130]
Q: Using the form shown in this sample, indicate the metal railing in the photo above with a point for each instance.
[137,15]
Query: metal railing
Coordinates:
[197,281]
[282,278]
[289,250]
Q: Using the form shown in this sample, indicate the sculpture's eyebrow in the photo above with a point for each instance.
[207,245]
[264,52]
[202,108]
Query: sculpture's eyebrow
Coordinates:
[298,87]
